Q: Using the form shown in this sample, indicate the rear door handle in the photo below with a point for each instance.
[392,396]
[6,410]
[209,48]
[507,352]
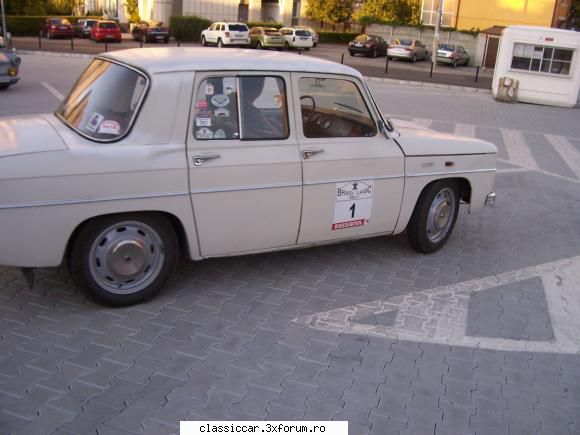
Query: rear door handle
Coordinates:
[200,158]
[309,153]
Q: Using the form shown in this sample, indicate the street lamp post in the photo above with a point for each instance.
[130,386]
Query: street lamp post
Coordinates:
[436,35]
[3,23]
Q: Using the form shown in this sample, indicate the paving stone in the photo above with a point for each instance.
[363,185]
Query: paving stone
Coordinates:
[232,343]
[92,416]
[131,418]
[10,423]
[178,367]
[270,377]
[236,380]
[63,377]
[112,337]
[176,409]
[101,376]
[74,397]
[217,405]
[306,372]
[384,425]
[27,407]
[198,346]
[127,352]
[283,413]
[155,427]
[197,386]
[18,385]
[254,401]
[47,421]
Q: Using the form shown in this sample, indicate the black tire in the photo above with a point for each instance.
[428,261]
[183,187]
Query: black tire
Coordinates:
[314,45]
[414,60]
[220,44]
[307,49]
[351,53]
[286,46]
[89,269]
[454,64]
[438,201]
[373,53]
[166,40]
[4,85]
[258,45]
[203,41]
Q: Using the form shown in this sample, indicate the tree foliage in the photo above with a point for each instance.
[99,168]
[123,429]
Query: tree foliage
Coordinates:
[132,7]
[390,11]
[333,11]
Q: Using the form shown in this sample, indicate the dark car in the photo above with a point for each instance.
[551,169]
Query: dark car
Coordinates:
[9,63]
[369,45]
[106,31]
[57,28]
[150,31]
[82,29]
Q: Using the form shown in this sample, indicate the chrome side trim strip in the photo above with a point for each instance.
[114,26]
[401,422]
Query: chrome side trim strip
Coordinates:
[249,187]
[92,200]
[430,174]
[346,180]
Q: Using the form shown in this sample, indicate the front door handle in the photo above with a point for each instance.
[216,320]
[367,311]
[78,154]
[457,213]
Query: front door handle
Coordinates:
[309,153]
[200,158]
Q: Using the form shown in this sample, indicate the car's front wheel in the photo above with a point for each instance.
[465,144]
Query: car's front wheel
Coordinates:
[123,259]
[220,44]
[203,41]
[434,216]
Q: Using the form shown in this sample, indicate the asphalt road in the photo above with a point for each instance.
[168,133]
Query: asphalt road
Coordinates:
[478,338]
[397,69]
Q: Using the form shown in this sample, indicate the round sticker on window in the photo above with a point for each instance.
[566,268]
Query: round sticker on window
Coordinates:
[110,127]
[219,134]
[202,104]
[94,122]
[220,100]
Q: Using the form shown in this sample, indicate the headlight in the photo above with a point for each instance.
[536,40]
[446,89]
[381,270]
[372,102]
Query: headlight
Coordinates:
[12,71]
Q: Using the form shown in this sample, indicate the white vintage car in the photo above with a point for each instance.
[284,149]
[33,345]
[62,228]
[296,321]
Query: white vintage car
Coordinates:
[206,153]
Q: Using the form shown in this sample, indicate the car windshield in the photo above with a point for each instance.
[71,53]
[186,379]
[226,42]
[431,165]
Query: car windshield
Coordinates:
[406,42]
[104,101]
[447,47]
[302,33]
[361,38]
[238,28]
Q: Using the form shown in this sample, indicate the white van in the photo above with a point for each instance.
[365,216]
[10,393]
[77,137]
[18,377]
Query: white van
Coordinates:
[543,64]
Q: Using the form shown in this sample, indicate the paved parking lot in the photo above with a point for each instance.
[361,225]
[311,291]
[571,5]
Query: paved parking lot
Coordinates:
[478,338]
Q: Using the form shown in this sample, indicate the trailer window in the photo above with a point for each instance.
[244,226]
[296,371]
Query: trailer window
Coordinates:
[539,58]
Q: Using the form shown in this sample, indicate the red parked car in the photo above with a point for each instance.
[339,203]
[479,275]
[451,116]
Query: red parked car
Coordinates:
[106,31]
[57,28]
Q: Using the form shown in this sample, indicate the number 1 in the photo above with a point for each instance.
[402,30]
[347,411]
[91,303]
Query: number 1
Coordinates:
[352,209]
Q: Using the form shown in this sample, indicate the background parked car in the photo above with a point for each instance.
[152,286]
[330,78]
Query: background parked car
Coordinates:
[266,37]
[82,29]
[296,38]
[106,31]
[57,28]
[224,33]
[369,45]
[314,33]
[9,63]
[150,31]
[452,54]
[408,49]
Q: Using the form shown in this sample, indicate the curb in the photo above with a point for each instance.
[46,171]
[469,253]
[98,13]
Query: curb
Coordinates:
[428,85]
[367,78]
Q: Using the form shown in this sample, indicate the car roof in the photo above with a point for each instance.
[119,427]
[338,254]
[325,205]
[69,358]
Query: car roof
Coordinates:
[169,59]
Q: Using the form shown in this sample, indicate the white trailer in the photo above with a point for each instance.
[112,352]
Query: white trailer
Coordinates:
[541,65]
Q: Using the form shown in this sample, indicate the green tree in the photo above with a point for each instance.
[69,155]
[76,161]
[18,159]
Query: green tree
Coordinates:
[390,11]
[132,7]
[332,11]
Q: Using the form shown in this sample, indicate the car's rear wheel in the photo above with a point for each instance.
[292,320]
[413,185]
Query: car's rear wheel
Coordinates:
[373,53]
[203,41]
[166,40]
[414,59]
[454,64]
[286,45]
[123,259]
[434,216]
[258,45]
[220,44]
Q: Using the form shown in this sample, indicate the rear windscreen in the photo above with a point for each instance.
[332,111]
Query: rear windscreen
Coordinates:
[447,47]
[238,28]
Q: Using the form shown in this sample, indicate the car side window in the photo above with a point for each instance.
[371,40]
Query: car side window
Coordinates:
[334,108]
[261,100]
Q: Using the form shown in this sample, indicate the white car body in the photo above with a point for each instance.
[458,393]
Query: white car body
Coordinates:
[223,197]
[225,33]
[295,38]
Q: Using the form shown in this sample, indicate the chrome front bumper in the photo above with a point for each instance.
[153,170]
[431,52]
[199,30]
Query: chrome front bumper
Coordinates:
[490,199]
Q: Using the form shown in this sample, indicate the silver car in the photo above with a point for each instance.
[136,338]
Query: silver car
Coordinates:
[452,54]
[408,49]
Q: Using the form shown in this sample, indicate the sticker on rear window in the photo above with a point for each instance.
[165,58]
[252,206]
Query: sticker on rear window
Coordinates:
[202,104]
[220,100]
[204,133]
[94,122]
[203,122]
[222,113]
[110,127]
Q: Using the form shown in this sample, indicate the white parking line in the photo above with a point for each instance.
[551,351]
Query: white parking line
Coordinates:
[567,151]
[439,315]
[53,91]
[422,122]
[465,130]
[517,149]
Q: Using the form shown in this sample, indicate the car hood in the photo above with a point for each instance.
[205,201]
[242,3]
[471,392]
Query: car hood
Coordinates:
[27,135]
[416,140]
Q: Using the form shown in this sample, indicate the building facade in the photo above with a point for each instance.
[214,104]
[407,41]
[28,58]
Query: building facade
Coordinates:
[479,14]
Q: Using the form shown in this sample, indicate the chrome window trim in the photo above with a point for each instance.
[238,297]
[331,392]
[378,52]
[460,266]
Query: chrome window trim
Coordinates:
[90,201]
[135,113]
[346,180]
[240,188]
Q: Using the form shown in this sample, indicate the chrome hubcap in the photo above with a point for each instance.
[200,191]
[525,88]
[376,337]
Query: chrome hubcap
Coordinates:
[126,257]
[441,215]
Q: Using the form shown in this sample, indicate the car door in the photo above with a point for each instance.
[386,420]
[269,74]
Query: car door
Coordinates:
[352,173]
[245,171]
[212,33]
